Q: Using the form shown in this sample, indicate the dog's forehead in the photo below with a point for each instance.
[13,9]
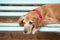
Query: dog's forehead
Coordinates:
[27,18]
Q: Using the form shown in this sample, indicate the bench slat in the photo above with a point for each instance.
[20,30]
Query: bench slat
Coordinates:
[28,1]
[15,27]
[15,10]
[17,7]
[45,29]
[12,13]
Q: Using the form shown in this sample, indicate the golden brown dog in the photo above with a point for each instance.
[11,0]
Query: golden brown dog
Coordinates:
[50,14]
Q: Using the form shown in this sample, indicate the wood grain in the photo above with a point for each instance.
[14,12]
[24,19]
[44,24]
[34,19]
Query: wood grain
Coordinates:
[21,36]
[8,19]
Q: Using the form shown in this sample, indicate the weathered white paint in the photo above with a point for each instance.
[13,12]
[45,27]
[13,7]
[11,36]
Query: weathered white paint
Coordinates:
[17,7]
[28,1]
[15,27]
[12,13]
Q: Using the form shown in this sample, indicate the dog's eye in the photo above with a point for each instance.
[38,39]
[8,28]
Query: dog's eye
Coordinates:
[30,22]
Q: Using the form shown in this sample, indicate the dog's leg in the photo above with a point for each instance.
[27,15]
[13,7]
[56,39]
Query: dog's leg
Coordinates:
[48,20]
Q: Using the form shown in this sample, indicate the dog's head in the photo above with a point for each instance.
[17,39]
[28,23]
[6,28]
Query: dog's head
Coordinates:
[30,23]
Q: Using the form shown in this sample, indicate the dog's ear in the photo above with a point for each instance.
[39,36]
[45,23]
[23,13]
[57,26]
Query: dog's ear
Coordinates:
[20,21]
[36,23]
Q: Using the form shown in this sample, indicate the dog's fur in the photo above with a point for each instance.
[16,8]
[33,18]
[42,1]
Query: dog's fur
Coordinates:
[50,14]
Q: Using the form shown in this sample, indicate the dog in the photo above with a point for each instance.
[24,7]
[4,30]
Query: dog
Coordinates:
[36,18]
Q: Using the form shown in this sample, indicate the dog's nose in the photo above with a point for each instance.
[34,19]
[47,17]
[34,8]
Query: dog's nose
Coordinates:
[25,31]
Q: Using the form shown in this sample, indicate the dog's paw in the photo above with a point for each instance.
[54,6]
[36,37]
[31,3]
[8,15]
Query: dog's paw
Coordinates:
[34,31]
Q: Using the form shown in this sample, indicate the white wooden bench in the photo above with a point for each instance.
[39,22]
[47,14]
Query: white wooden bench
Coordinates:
[18,8]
